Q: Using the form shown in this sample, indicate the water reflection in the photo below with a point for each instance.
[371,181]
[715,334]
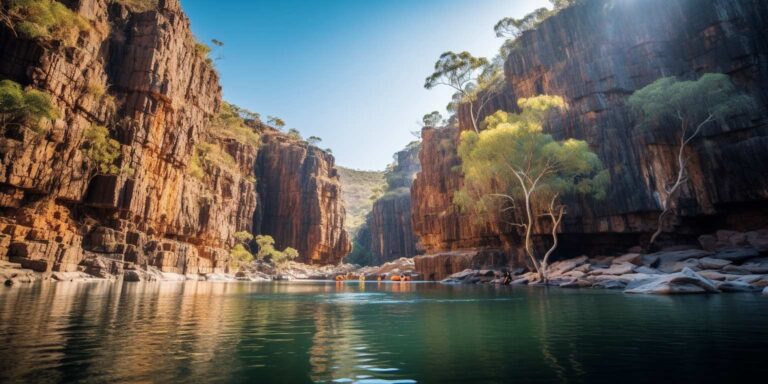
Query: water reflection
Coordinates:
[391,332]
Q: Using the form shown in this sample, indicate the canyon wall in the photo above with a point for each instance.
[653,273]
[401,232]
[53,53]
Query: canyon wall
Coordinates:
[301,204]
[595,55]
[389,223]
[159,97]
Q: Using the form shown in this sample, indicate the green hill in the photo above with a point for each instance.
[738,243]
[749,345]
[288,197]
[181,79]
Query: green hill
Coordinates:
[357,188]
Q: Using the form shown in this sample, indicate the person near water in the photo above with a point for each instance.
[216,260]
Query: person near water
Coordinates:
[507,278]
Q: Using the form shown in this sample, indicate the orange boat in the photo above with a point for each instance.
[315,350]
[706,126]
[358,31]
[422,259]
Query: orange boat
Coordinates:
[395,278]
[339,278]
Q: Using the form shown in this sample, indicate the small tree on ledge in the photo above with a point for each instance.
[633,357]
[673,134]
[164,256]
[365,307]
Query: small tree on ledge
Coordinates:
[691,105]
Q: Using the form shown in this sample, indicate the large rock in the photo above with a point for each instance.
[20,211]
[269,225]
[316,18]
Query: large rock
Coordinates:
[737,254]
[686,281]
[439,266]
[620,268]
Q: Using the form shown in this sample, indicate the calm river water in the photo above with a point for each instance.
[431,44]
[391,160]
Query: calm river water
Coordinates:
[379,333]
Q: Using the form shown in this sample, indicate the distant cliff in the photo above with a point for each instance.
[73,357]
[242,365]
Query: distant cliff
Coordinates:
[388,233]
[595,54]
[143,76]
[301,203]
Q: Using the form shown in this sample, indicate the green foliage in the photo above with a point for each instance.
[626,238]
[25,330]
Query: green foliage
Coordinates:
[286,255]
[433,119]
[267,249]
[276,122]
[314,140]
[357,187]
[513,157]
[138,5]
[102,150]
[45,20]
[240,254]
[207,154]
[294,134]
[689,102]
[455,70]
[231,123]
[243,237]
[25,107]
[266,246]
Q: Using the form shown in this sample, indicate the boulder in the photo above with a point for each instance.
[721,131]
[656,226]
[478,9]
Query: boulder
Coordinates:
[736,286]
[758,239]
[737,254]
[621,268]
[576,283]
[563,266]
[601,261]
[131,275]
[708,242]
[765,291]
[610,284]
[647,270]
[712,263]
[634,258]
[674,267]
[683,282]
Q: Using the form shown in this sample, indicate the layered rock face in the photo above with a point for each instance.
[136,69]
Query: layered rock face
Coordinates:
[301,203]
[389,223]
[595,55]
[57,212]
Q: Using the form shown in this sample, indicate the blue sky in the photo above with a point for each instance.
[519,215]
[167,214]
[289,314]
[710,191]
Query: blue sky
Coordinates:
[348,71]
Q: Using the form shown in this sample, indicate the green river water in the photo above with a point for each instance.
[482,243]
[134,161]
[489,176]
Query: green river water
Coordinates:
[379,333]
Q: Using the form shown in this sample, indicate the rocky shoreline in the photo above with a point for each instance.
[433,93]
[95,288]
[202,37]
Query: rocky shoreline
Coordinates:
[727,261]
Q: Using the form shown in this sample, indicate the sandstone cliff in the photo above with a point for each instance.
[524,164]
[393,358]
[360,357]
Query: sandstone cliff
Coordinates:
[159,97]
[301,203]
[595,55]
[388,232]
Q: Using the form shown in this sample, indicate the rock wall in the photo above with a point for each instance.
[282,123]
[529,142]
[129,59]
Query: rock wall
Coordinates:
[56,212]
[301,203]
[595,55]
[389,223]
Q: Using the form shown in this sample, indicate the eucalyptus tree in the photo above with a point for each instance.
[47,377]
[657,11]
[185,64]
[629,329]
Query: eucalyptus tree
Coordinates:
[513,169]
[690,105]
[462,72]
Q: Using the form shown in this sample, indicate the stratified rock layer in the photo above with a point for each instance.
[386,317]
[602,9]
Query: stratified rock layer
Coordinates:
[595,55]
[301,200]
[57,213]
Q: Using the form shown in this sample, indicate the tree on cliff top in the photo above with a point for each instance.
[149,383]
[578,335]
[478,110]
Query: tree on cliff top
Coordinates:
[469,76]
[24,107]
[691,105]
[513,169]
[432,120]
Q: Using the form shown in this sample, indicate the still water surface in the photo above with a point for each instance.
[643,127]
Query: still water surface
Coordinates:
[324,332]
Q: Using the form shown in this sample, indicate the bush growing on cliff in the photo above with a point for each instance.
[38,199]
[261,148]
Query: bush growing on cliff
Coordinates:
[44,20]
[211,155]
[102,150]
[515,172]
[691,106]
[276,122]
[294,133]
[25,107]
[230,123]
[314,140]
[240,254]
[286,255]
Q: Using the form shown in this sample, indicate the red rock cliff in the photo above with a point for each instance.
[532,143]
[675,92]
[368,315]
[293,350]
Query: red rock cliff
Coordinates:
[301,203]
[161,96]
[595,55]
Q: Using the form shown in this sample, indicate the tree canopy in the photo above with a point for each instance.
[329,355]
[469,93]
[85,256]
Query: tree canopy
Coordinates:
[102,150]
[513,167]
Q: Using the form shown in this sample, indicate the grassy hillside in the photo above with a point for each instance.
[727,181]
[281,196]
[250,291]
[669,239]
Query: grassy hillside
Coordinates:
[357,188]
